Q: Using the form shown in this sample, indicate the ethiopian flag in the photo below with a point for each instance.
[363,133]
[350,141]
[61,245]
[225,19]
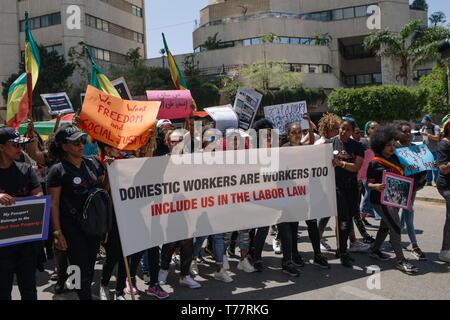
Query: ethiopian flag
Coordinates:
[20,91]
[177,76]
[99,80]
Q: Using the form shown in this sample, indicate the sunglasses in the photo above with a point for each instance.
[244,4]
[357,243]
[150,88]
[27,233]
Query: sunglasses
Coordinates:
[78,142]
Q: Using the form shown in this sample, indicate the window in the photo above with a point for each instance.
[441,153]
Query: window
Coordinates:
[56,18]
[58,48]
[136,11]
[256,41]
[305,41]
[45,21]
[247,42]
[106,55]
[35,23]
[305,68]
[282,40]
[349,13]
[377,78]
[337,14]
[295,40]
[314,68]
[361,11]
[105,26]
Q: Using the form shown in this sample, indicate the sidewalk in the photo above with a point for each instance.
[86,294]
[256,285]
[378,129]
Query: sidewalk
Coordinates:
[430,194]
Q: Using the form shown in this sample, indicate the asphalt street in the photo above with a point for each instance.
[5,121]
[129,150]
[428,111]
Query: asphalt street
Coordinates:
[432,282]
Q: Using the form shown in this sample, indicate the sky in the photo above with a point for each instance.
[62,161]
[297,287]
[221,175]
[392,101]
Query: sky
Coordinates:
[177,18]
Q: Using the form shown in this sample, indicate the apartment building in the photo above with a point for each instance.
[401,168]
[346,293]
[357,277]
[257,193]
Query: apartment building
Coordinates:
[109,27]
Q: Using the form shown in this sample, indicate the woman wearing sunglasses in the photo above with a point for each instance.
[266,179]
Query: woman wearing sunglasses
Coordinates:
[69,182]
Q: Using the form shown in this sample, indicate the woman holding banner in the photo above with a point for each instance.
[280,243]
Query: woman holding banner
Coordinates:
[349,157]
[17,180]
[443,184]
[383,142]
[173,138]
[420,179]
[288,230]
[68,183]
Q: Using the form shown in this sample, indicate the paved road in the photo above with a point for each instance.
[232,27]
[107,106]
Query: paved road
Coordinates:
[337,283]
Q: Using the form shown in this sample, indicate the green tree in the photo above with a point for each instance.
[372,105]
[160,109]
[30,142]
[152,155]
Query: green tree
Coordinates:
[414,45]
[419,5]
[54,73]
[436,87]
[264,76]
[437,18]
[322,39]
[133,56]
[212,43]
[382,103]
[269,38]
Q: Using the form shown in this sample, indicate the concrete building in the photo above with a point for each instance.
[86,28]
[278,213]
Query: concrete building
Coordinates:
[322,39]
[109,27]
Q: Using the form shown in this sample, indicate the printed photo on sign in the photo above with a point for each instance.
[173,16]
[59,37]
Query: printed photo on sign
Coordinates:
[246,106]
[26,221]
[57,103]
[398,191]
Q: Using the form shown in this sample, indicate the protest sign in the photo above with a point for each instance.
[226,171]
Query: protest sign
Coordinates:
[158,200]
[415,159]
[122,88]
[57,103]
[175,104]
[398,191]
[122,124]
[26,221]
[224,117]
[246,105]
[283,114]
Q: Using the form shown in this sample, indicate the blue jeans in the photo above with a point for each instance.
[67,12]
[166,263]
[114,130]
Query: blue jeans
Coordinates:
[144,262]
[433,175]
[407,217]
[218,247]
[366,206]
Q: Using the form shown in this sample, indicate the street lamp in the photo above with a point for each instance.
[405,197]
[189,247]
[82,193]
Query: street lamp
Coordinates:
[444,49]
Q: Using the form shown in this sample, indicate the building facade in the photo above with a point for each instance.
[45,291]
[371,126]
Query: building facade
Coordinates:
[109,27]
[322,39]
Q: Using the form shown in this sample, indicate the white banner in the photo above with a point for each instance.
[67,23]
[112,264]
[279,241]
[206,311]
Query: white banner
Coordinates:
[282,114]
[157,201]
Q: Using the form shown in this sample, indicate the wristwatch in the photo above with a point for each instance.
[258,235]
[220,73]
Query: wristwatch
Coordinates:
[57,233]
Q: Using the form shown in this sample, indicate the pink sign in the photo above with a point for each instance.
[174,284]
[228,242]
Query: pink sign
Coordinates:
[368,156]
[175,104]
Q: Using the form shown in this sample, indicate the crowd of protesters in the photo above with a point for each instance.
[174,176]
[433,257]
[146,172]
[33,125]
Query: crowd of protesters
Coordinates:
[69,166]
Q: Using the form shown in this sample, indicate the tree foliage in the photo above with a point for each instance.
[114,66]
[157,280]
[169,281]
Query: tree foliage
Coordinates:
[436,87]
[419,5]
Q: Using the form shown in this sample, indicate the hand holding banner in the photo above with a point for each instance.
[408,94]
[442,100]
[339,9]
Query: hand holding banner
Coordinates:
[175,104]
[122,124]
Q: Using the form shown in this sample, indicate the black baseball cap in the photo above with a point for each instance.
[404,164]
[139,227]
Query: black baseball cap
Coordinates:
[68,133]
[11,134]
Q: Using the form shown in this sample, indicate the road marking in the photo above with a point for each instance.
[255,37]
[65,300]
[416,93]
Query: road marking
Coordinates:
[363,294]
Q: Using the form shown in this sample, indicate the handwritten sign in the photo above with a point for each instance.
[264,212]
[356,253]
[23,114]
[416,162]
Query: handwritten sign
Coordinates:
[224,116]
[175,104]
[415,159]
[57,103]
[122,88]
[122,124]
[246,105]
[282,114]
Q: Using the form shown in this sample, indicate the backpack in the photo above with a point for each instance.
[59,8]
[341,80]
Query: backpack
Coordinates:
[96,218]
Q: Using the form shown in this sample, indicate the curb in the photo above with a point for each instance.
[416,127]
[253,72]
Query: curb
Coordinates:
[434,200]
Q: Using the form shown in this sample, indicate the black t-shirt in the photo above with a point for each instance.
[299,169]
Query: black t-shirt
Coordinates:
[375,175]
[348,153]
[443,157]
[75,183]
[365,143]
[18,180]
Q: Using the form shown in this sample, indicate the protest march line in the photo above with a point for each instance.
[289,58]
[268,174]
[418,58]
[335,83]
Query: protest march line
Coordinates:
[158,201]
